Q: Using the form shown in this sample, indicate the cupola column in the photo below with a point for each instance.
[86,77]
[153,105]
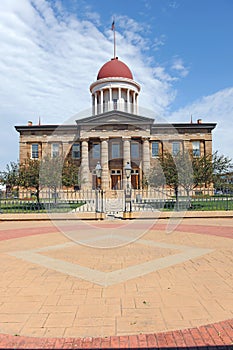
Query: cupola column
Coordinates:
[95,103]
[110,99]
[128,101]
[119,99]
[134,102]
[101,101]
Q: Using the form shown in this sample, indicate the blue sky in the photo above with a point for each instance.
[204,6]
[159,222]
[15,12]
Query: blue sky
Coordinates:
[180,52]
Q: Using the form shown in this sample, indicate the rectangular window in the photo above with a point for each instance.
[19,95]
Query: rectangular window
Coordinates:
[155,148]
[175,148]
[35,151]
[55,150]
[96,150]
[115,150]
[196,148]
[76,151]
[135,150]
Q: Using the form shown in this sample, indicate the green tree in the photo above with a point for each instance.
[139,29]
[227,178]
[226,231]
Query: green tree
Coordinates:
[10,176]
[164,172]
[29,175]
[222,172]
[70,173]
[51,173]
[189,172]
[202,170]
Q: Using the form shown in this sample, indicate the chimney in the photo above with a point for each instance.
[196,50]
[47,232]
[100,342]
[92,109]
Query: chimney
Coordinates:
[199,121]
[29,123]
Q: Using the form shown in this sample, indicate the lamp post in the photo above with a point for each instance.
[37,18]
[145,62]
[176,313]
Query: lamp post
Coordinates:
[99,199]
[128,170]
[98,172]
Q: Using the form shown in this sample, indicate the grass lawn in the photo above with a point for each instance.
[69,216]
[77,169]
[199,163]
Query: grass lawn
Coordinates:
[25,206]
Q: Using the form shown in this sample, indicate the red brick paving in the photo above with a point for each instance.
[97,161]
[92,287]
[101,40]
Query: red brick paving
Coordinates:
[214,335]
[29,231]
[222,231]
[217,334]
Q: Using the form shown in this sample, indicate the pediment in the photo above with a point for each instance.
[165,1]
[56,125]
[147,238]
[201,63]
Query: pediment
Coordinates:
[115,117]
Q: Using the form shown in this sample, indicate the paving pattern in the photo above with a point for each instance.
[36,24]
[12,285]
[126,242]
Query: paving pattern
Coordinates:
[158,290]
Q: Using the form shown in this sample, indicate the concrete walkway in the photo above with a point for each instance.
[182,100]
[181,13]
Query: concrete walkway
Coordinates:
[139,283]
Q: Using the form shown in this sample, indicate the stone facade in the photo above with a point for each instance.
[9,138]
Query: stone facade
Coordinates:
[114,139]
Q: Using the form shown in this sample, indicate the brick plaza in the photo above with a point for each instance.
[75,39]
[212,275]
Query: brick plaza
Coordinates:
[161,289]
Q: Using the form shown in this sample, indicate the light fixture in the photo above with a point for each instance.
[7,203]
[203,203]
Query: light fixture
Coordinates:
[128,170]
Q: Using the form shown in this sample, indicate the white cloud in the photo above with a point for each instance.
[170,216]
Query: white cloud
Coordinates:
[158,42]
[49,58]
[179,67]
[217,107]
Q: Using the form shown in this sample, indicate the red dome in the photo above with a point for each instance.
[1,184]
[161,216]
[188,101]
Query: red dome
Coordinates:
[116,69]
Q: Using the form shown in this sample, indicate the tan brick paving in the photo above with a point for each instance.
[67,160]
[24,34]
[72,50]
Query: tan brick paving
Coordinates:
[39,301]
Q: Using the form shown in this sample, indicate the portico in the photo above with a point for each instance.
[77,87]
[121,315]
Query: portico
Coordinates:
[114,145]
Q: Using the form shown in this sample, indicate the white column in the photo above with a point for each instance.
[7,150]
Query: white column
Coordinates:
[104,164]
[85,173]
[134,102]
[126,158]
[128,101]
[119,99]
[146,157]
[110,99]
[95,103]
[101,101]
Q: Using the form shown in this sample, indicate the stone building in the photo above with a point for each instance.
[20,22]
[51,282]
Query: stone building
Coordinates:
[115,134]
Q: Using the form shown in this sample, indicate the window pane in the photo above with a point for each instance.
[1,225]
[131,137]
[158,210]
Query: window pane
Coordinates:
[175,148]
[55,150]
[35,151]
[96,150]
[155,148]
[135,150]
[76,151]
[115,150]
[196,148]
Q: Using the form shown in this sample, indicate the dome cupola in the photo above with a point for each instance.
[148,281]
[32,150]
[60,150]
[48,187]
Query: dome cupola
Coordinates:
[114,89]
[114,68]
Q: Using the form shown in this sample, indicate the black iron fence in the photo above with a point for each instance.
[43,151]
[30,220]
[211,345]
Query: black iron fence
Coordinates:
[88,201]
[196,204]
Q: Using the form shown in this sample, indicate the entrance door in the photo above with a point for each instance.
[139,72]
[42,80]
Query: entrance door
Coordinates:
[135,183]
[115,179]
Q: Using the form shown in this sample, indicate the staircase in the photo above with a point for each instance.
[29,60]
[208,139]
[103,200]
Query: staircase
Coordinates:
[114,203]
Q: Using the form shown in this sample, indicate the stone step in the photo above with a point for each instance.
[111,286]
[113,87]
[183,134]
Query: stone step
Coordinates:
[114,205]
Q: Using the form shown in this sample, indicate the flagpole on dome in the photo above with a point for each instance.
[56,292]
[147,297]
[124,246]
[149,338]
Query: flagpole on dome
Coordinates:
[114,37]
